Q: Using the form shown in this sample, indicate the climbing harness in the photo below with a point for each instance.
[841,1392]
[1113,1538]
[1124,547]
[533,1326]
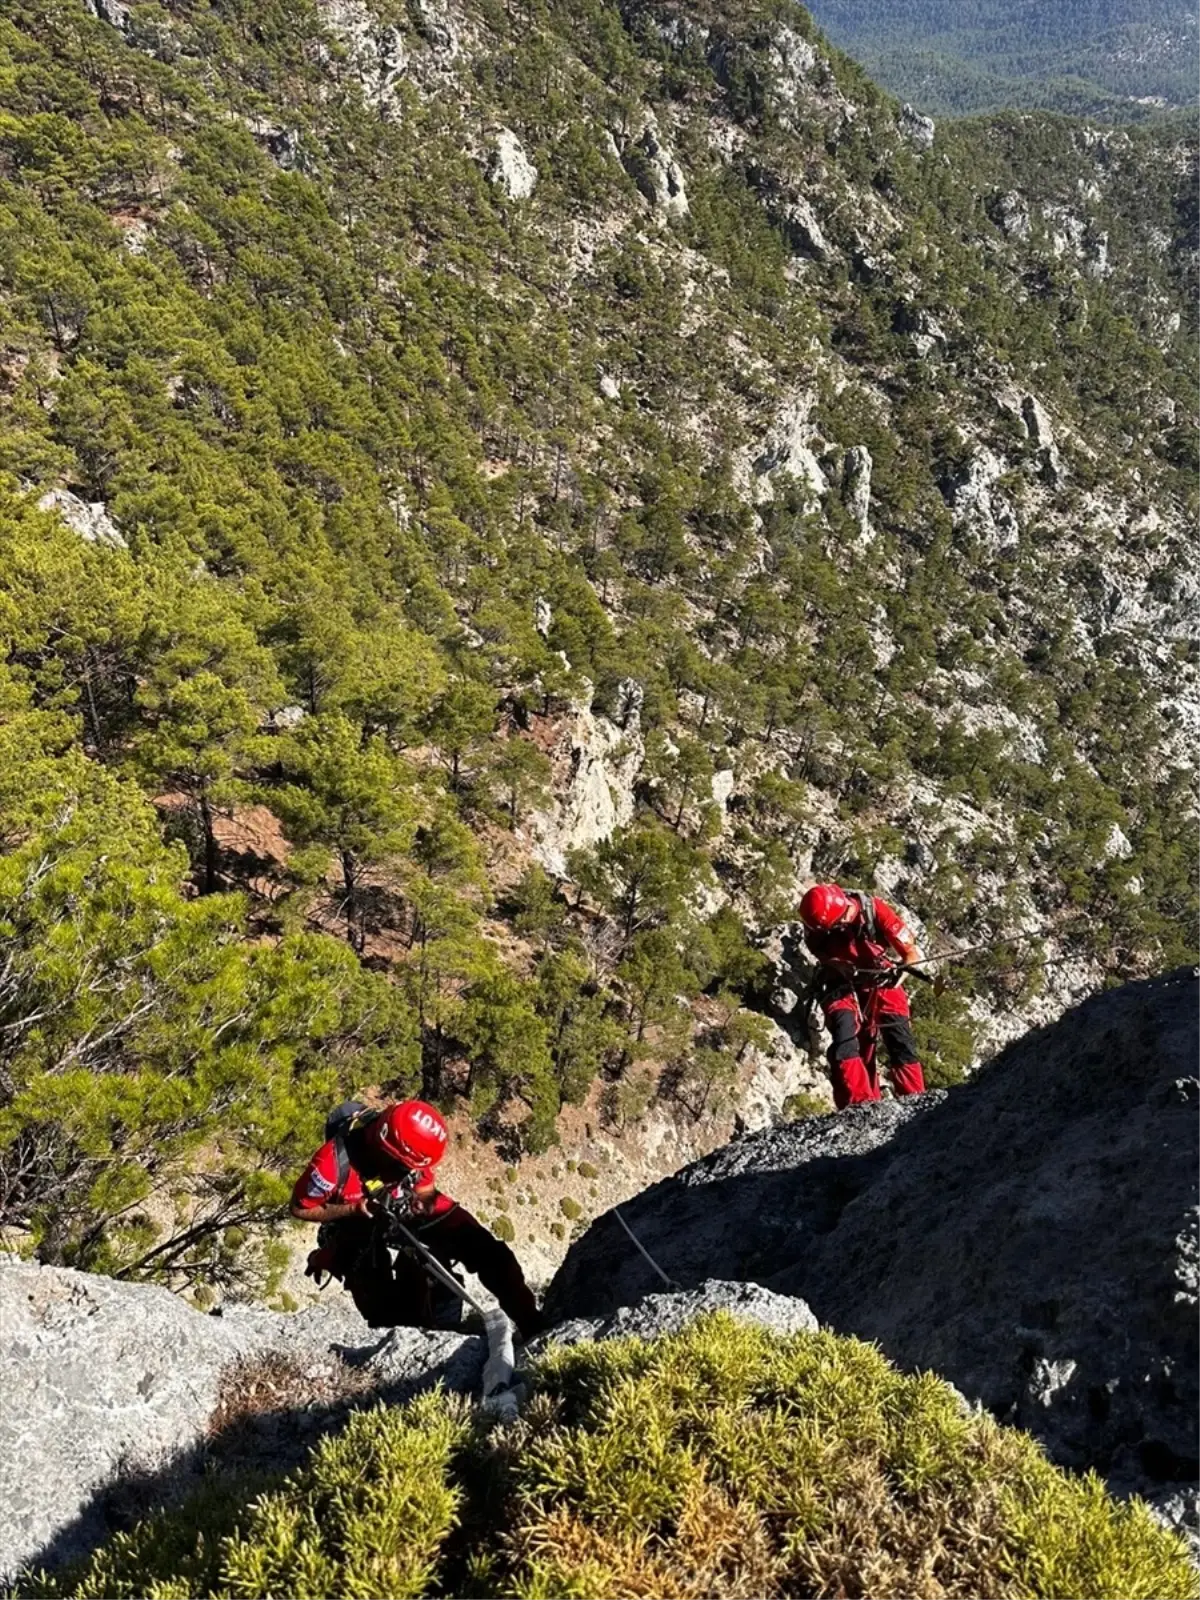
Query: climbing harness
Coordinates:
[431,1263]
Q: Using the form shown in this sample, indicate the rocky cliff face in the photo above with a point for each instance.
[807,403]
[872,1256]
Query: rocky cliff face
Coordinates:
[1031,1236]
[117,1396]
[120,1398]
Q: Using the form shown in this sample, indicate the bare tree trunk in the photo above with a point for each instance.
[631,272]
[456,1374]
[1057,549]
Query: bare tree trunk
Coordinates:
[210,845]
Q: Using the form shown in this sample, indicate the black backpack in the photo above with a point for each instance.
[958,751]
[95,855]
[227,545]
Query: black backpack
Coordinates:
[350,1117]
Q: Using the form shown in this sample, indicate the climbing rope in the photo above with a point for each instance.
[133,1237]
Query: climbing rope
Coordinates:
[498,1396]
[670,1282]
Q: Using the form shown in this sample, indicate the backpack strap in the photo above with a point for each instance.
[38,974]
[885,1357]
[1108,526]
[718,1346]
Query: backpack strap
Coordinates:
[342,1157]
[341,1150]
[866,907]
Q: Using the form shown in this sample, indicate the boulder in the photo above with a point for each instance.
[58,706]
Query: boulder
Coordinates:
[657,1314]
[788,449]
[1117,846]
[285,718]
[917,129]
[113,12]
[657,173]
[1011,214]
[794,59]
[89,519]
[856,487]
[437,27]
[377,54]
[978,505]
[510,168]
[1029,1236]
[803,230]
[1041,433]
[112,1389]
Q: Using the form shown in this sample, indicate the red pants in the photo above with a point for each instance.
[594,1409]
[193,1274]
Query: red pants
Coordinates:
[857,1018]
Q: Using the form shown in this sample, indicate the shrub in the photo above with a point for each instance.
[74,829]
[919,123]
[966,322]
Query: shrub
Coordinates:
[803,1104]
[503,1229]
[725,1459]
[587,1170]
[571,1209]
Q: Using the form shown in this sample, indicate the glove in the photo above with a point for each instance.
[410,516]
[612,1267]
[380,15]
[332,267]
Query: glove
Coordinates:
[320,1261]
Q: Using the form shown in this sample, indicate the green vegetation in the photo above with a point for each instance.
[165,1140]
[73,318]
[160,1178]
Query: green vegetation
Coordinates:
[270,746]
[722,1460]
[800,1105]
[1085,57]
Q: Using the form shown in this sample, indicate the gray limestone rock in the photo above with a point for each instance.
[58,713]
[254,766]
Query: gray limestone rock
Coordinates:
[1042,434]
[111,11]
[110,1389]
[89,519]
[917,129]
[787,449]
[1179,1509]
[597,763]
[438,27]
[803,229]
[1030,1236]
[1011,211]
[978,504]
[510,168]
[856,487]
[378,53]
[285,718]
[654,167]
[670,1312]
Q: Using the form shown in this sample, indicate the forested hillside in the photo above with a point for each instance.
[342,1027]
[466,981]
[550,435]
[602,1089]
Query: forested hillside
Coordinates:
[493,499]
[1115,59]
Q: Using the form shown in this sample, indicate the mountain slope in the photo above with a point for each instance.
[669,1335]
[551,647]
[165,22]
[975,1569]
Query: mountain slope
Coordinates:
[1115,60]
[493,503]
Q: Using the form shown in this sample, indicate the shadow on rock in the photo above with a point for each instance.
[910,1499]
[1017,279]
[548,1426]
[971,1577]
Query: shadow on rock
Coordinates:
[1030,1236]
[199,1400]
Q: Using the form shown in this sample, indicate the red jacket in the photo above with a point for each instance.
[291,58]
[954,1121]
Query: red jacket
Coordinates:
[848,947]
[318,1185]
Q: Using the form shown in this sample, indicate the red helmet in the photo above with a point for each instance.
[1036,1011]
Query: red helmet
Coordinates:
[411,1133]
[824,906]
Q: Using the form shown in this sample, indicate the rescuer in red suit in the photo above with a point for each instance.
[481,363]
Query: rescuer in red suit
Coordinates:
[370,1154]
[856,940]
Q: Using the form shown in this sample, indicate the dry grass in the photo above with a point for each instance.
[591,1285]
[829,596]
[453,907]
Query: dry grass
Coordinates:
[260,1386]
